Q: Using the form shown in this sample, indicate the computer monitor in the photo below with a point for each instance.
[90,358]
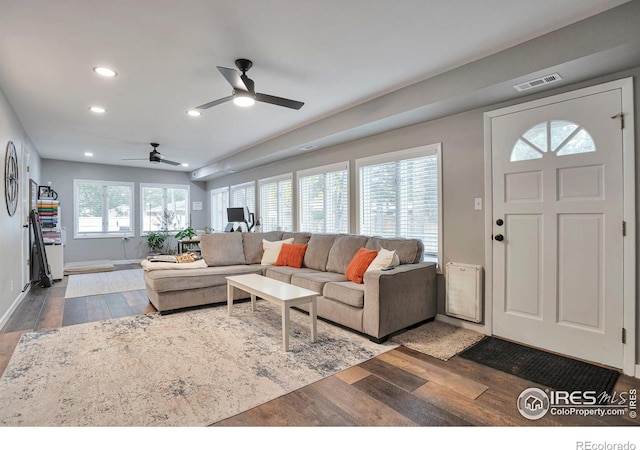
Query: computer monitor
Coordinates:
[237,215]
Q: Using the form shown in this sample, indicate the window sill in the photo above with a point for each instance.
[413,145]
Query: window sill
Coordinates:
[104,236]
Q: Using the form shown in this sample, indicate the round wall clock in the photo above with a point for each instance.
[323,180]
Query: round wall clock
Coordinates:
[11,178]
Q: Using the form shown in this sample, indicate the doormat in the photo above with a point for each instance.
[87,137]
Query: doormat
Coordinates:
[548,369]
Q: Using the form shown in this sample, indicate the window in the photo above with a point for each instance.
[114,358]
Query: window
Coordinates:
[276,203]
[399,196]
[242,195]
[102,208]
[219,205]
[559,137]
[164,207]
[323,194]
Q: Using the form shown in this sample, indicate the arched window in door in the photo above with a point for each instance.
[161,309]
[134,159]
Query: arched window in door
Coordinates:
[558,137]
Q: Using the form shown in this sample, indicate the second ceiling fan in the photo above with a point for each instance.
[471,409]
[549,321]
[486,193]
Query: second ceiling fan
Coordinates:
[244,93]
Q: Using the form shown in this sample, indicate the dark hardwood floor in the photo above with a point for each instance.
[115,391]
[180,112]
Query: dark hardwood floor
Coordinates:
[400,388]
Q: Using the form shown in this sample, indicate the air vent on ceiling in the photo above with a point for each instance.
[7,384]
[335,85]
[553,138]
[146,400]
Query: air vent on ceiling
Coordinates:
[538,82]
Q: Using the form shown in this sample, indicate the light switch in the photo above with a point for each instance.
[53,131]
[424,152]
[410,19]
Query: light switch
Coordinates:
[477,204]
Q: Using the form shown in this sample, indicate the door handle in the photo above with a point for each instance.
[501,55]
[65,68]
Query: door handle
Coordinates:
[499,237]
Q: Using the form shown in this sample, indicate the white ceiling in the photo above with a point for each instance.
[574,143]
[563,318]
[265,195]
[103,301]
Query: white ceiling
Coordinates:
[331,54]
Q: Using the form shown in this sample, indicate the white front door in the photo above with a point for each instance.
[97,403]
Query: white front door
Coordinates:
[24,214]
[557,227]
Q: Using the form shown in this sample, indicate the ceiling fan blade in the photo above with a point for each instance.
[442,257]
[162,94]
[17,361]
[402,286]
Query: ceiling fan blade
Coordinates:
[166,161]
[293,104]
[233,78]
[215,102]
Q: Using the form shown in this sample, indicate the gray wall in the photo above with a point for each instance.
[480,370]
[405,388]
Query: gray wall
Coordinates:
[61,175]
[11,236]
[462,138]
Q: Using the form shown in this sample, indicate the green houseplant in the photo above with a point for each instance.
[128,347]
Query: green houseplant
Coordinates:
[185,234]
[155,241]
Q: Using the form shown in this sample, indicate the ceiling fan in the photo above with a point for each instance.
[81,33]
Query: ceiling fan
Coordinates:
[244,93]
[154,156]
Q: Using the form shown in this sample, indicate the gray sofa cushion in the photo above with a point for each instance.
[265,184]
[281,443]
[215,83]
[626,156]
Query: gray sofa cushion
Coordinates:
[284,273]
[410,251]
[315,281]
[298,238]
[222,249]
[252,243]
[346,292]
[185,280]
[342,251]
[318,251]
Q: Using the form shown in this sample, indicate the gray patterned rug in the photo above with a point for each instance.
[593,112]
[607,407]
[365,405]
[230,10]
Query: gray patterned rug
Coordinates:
[191,368]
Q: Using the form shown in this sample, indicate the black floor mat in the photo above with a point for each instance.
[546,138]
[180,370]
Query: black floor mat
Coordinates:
[548,369]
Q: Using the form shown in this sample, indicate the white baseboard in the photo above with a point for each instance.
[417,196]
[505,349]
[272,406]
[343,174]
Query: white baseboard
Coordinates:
[14,306]
[462,324]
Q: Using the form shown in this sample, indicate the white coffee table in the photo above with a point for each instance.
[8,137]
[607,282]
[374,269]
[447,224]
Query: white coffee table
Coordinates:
[282,294]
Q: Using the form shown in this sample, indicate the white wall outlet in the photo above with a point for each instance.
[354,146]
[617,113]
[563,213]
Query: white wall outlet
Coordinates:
[477,203]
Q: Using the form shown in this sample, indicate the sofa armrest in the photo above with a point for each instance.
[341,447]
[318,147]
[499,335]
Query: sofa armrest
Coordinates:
[398,298]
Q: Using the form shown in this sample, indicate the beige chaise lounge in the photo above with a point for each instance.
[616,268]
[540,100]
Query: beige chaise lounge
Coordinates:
[387,301]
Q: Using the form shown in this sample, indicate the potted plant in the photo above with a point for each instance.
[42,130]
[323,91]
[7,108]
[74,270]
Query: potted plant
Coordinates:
[155,241]
[185,234]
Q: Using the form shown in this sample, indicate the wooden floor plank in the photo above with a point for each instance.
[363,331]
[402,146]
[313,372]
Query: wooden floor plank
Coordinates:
[118,305]
[409,405]
[462,385]
[8,342]
[366,410]
[52,314]
[353,374]
[97,308]
[463,406]
[395,375]
[26,316]
[75,311]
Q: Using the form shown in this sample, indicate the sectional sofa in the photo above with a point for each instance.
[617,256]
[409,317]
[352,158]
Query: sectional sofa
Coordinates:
[387,302]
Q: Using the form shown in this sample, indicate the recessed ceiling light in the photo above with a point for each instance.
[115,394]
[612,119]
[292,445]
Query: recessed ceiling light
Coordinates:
[194,113]
[98,109]
[184,165]
[105,71]
[88,154]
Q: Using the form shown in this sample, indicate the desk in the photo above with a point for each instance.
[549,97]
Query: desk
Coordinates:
[189,246]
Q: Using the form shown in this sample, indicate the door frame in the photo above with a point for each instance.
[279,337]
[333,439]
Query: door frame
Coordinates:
[629,207]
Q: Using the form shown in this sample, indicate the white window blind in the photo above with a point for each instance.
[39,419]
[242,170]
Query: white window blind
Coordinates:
[399,196]
[219,205]
[276,203]
[102,208]
[241,195]
[164,207]
[324,199]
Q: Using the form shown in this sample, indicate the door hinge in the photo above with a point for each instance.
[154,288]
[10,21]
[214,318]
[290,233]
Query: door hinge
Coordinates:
[621,117]
[624,335]
[624,228]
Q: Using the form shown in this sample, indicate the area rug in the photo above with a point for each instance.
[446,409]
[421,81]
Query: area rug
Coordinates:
[438,339]
[88,267]
[548,369]
[104,283]
[190,368]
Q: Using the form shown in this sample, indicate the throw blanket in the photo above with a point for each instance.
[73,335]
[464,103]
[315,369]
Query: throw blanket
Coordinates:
[148,265]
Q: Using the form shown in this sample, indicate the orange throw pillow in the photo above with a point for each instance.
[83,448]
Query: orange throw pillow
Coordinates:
[291,255]
[358,265]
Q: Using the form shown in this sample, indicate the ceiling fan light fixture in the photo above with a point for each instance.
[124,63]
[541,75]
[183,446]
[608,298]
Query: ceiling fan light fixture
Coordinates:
[105,71]
[243,99]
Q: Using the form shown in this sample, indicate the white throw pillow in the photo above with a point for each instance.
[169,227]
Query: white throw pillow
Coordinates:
[385,258]
[272,250]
